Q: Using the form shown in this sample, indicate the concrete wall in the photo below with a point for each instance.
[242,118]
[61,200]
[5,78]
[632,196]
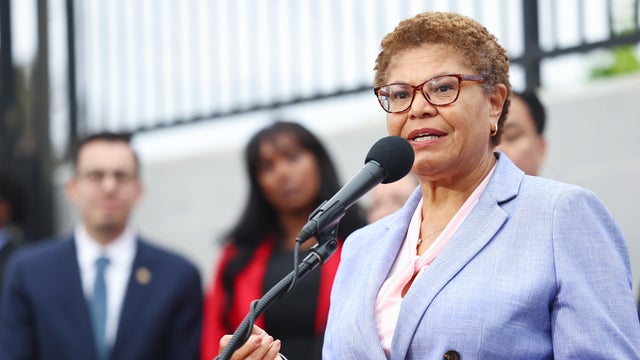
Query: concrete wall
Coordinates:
[593,138]
[192,199]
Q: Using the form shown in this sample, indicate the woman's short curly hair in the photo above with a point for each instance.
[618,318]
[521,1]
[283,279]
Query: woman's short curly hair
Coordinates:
[477,46]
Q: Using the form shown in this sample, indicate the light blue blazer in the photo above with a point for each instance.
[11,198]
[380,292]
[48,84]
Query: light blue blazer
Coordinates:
[538,270]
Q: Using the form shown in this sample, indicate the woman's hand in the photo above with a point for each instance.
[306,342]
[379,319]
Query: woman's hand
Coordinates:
[259,346]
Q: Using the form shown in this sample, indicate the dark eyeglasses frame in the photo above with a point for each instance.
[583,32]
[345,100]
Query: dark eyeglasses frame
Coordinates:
[420,87]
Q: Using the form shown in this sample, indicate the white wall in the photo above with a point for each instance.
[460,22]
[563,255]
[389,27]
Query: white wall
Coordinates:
[192,199]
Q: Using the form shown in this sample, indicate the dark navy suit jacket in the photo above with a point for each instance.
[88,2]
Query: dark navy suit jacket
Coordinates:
[44,313]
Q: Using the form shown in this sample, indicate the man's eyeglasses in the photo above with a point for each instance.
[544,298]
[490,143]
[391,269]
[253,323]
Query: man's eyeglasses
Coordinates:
[440,90]
[96,177]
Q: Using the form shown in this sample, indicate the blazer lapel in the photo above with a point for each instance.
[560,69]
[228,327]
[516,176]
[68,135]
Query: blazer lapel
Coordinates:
[384,249]
[72,299]
[136,297]
[482,224]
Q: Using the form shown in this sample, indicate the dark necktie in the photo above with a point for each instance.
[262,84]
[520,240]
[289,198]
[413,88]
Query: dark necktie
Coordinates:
[98,305]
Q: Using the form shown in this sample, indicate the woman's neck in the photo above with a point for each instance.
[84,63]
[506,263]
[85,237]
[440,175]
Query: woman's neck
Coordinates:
[291,225]
[442,199]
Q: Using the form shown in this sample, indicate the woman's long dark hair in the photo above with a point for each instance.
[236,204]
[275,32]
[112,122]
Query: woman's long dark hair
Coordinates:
[259,217]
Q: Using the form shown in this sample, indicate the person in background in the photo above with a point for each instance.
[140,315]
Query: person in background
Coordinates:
[387,198]
[13,204]
[484,262]
[103,292]
[290,174]
[523,135]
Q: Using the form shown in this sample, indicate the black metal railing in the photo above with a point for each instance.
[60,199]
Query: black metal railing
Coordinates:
[143,67]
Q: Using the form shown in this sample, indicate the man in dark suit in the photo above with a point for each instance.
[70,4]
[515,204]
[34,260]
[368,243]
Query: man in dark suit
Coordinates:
[105,293]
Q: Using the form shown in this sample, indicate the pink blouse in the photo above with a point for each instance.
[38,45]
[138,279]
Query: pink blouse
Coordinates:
[409,263]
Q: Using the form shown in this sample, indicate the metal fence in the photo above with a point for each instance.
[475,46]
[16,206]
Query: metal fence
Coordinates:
[142,65]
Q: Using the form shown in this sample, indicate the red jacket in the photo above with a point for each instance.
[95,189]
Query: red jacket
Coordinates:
[248,284]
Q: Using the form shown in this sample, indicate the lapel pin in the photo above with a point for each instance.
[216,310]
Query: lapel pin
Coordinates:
[143,275]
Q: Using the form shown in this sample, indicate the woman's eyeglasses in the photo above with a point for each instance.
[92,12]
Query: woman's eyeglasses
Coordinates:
[440,90]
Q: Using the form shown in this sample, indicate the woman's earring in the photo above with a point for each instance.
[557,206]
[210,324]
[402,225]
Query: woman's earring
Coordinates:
[494,129]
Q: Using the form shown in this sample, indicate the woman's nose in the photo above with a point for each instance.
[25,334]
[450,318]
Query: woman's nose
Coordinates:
[421,107]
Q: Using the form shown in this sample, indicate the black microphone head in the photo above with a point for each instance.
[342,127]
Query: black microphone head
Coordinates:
[394,154]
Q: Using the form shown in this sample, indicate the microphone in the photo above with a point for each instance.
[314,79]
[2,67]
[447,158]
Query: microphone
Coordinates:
[388,160]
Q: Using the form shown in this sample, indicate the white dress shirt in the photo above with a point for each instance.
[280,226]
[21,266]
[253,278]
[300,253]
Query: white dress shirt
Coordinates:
[120,253]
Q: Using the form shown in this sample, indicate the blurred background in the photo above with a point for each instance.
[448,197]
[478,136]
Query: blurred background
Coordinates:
[195,78]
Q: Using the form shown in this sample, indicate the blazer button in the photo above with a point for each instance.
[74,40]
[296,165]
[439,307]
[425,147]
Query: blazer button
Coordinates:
[451,355]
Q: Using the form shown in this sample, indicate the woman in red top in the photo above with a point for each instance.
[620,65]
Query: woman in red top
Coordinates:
[290,174]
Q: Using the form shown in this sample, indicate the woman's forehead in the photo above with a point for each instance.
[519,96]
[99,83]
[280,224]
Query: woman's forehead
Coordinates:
[425,62]
[280,142]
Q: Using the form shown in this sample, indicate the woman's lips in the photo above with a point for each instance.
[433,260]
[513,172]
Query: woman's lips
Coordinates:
[423,136]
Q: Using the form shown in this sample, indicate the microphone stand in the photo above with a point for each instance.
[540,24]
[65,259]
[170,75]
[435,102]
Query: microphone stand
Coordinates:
[326,246]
